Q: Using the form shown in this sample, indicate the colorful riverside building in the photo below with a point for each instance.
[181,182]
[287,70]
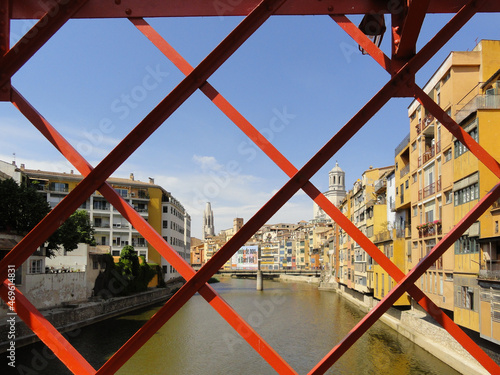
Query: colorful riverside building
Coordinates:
[162,211]
[447,181]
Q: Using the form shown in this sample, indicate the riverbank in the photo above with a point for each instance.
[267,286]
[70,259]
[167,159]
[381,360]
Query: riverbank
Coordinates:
[72,317]
[416,326]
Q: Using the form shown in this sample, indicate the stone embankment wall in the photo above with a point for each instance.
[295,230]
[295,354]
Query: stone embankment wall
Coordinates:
[413,325]
[74,316]
[300,279]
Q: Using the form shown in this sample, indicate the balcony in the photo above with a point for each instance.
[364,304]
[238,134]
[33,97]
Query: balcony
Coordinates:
[402,145]
[496,205]
[383,236]
[478,102]
[430,189]
[380,185]
[429,229]
[425,124]
[429,154]
[403,232]
[406,169]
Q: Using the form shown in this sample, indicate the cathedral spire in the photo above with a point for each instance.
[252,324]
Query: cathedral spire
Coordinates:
[208,222]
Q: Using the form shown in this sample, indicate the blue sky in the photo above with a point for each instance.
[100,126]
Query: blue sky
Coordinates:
[297,79]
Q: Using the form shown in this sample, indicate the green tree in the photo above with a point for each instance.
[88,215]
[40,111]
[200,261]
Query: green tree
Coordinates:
[76,229]
[22,208]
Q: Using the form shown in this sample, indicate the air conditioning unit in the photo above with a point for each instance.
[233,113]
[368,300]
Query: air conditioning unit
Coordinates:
[132,194]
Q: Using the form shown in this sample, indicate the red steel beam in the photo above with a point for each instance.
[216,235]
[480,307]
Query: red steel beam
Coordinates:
[359,37]
[260,218]
[137,136]
[4,45]
[31,9]
[407,282]
[287,191]
[46,331]
[51,21]
[309,188]
[411,28]
[153,237]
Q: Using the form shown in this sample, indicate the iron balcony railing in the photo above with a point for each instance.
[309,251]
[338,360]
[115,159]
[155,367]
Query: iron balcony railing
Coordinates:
[402,145]
[478,102]
[429,154]
[406,169]
[430,189]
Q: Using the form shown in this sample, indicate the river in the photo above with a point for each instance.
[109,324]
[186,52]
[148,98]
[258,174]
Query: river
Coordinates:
[300,322]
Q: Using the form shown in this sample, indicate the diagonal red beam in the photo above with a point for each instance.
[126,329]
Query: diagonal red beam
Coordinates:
[359,37]
[309,188]
[153,237]
[46,331]
[407,282]
[414,19]
[302,176]
[36,37]
[138,135]
[260,218]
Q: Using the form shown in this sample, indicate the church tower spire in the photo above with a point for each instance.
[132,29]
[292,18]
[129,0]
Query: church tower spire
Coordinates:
[208,222]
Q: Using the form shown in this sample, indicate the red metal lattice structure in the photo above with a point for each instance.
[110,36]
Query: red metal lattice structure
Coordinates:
[404,62]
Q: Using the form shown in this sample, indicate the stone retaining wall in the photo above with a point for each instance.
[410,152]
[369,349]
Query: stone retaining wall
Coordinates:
[79,315]
[413,325]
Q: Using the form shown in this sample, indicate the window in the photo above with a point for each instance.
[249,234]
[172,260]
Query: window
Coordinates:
[414,146]
[466,245]
[36,266]
[407,183]
[467,194]
[415,211]
[447,155]
[414,178]
[165,224]
[165,209]
[446,77]
[460,147]
[467,297]
[448,197]
[123,192]
[59,186]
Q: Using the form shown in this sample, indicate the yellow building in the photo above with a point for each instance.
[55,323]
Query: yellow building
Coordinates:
[447,181]
[478,113]
[162,211]
[432,173]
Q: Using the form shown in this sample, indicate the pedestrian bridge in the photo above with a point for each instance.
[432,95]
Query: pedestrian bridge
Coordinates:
[269,274]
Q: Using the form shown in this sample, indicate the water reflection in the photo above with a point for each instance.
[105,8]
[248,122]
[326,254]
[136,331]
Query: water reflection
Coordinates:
[301,324]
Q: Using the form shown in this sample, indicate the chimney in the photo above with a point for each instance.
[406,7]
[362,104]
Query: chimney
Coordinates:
[22,167]
[151,180]
[14,163]
[132,176]
[71,171]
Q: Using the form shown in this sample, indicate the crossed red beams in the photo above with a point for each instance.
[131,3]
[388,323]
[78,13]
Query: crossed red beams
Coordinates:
[197,282]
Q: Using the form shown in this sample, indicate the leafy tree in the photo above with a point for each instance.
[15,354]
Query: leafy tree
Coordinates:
[22,208]
[125,277]
[76,229]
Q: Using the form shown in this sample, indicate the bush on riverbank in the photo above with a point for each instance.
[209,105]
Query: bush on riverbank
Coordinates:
[127,276]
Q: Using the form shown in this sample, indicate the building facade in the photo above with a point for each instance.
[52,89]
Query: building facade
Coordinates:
[156,205]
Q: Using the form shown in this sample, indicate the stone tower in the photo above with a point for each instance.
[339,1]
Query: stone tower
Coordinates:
[336,192]
[208,222]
